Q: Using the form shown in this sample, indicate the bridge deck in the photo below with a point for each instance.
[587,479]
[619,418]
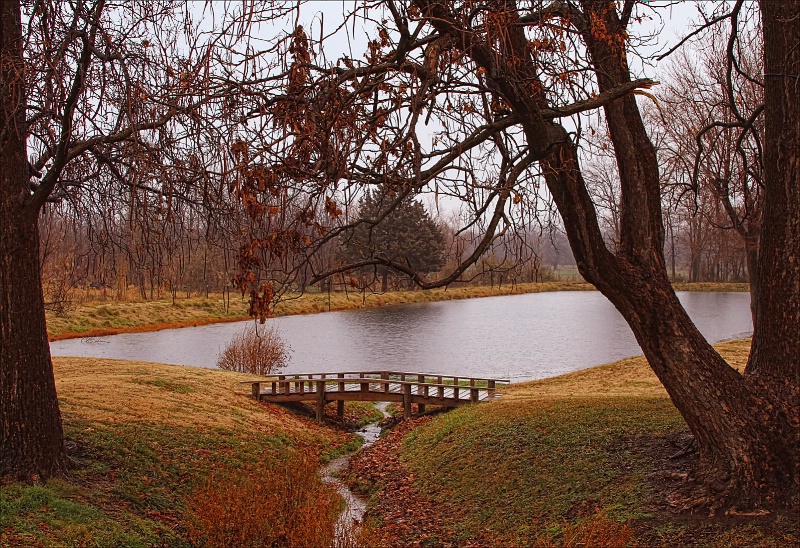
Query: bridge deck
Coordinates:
[444,390]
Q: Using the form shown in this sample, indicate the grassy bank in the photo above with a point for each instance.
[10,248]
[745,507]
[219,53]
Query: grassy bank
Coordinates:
[142,438]
[109,317]
[578,460]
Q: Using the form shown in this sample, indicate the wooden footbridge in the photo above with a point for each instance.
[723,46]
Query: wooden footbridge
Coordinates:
[392,386]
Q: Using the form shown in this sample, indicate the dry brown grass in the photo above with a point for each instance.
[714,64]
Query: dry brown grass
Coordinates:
[142,437]
[597,531]
[109,317]
[118,391]
[630,377]
[712,286]
[283,504]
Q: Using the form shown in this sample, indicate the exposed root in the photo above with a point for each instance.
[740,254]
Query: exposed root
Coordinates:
[687,450]
[758,512]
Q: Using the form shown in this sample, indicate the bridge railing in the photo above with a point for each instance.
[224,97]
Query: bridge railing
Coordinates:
[360,385]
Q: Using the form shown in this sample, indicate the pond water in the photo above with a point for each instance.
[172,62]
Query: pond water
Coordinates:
[517,337]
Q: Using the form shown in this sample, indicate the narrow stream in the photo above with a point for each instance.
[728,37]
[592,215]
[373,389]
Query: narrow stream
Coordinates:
[355,505]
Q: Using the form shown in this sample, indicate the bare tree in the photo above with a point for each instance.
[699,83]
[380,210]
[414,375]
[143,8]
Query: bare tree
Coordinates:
[100,104]
[476,101]
[713,131]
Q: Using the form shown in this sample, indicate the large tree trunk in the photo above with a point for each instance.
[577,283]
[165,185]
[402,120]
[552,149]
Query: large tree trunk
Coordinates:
[774,364]
[747,447]
[31,439]
[747,431]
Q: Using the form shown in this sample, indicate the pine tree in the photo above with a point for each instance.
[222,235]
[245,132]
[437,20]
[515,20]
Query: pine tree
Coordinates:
[407,236]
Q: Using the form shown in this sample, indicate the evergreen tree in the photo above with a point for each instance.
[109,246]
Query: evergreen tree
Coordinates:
[405,235]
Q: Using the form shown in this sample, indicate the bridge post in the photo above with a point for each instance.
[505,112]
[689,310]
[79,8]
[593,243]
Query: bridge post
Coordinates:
[340,408]
[455,387]
[321,401]
[421,406]
[491,389]
[364,385]
[256,390]
[406,401]
[441,388]
[385,376]
[473,392]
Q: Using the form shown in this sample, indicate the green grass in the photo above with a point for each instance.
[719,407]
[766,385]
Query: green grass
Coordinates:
[553,455]
[52,515]
[180,388]
[544,461]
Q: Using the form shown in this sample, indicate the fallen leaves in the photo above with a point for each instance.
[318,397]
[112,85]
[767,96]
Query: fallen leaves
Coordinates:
[407,517]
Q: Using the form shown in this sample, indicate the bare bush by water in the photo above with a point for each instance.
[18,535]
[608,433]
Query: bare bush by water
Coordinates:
[254,351]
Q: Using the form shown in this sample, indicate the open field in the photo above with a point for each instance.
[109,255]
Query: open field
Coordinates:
[92,318]
[578,460]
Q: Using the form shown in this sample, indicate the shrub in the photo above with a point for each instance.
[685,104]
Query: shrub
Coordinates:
[283,504]
[258,353]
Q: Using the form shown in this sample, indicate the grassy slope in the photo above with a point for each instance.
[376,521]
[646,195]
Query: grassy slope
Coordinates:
[108,317]
[141,436]
[554,452]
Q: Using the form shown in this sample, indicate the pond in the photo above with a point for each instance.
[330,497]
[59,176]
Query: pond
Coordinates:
[517,337]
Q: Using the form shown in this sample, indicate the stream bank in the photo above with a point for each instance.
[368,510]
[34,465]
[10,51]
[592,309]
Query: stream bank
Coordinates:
[356,506]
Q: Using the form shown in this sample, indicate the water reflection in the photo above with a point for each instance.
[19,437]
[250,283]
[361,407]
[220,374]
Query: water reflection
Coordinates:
[519,337]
